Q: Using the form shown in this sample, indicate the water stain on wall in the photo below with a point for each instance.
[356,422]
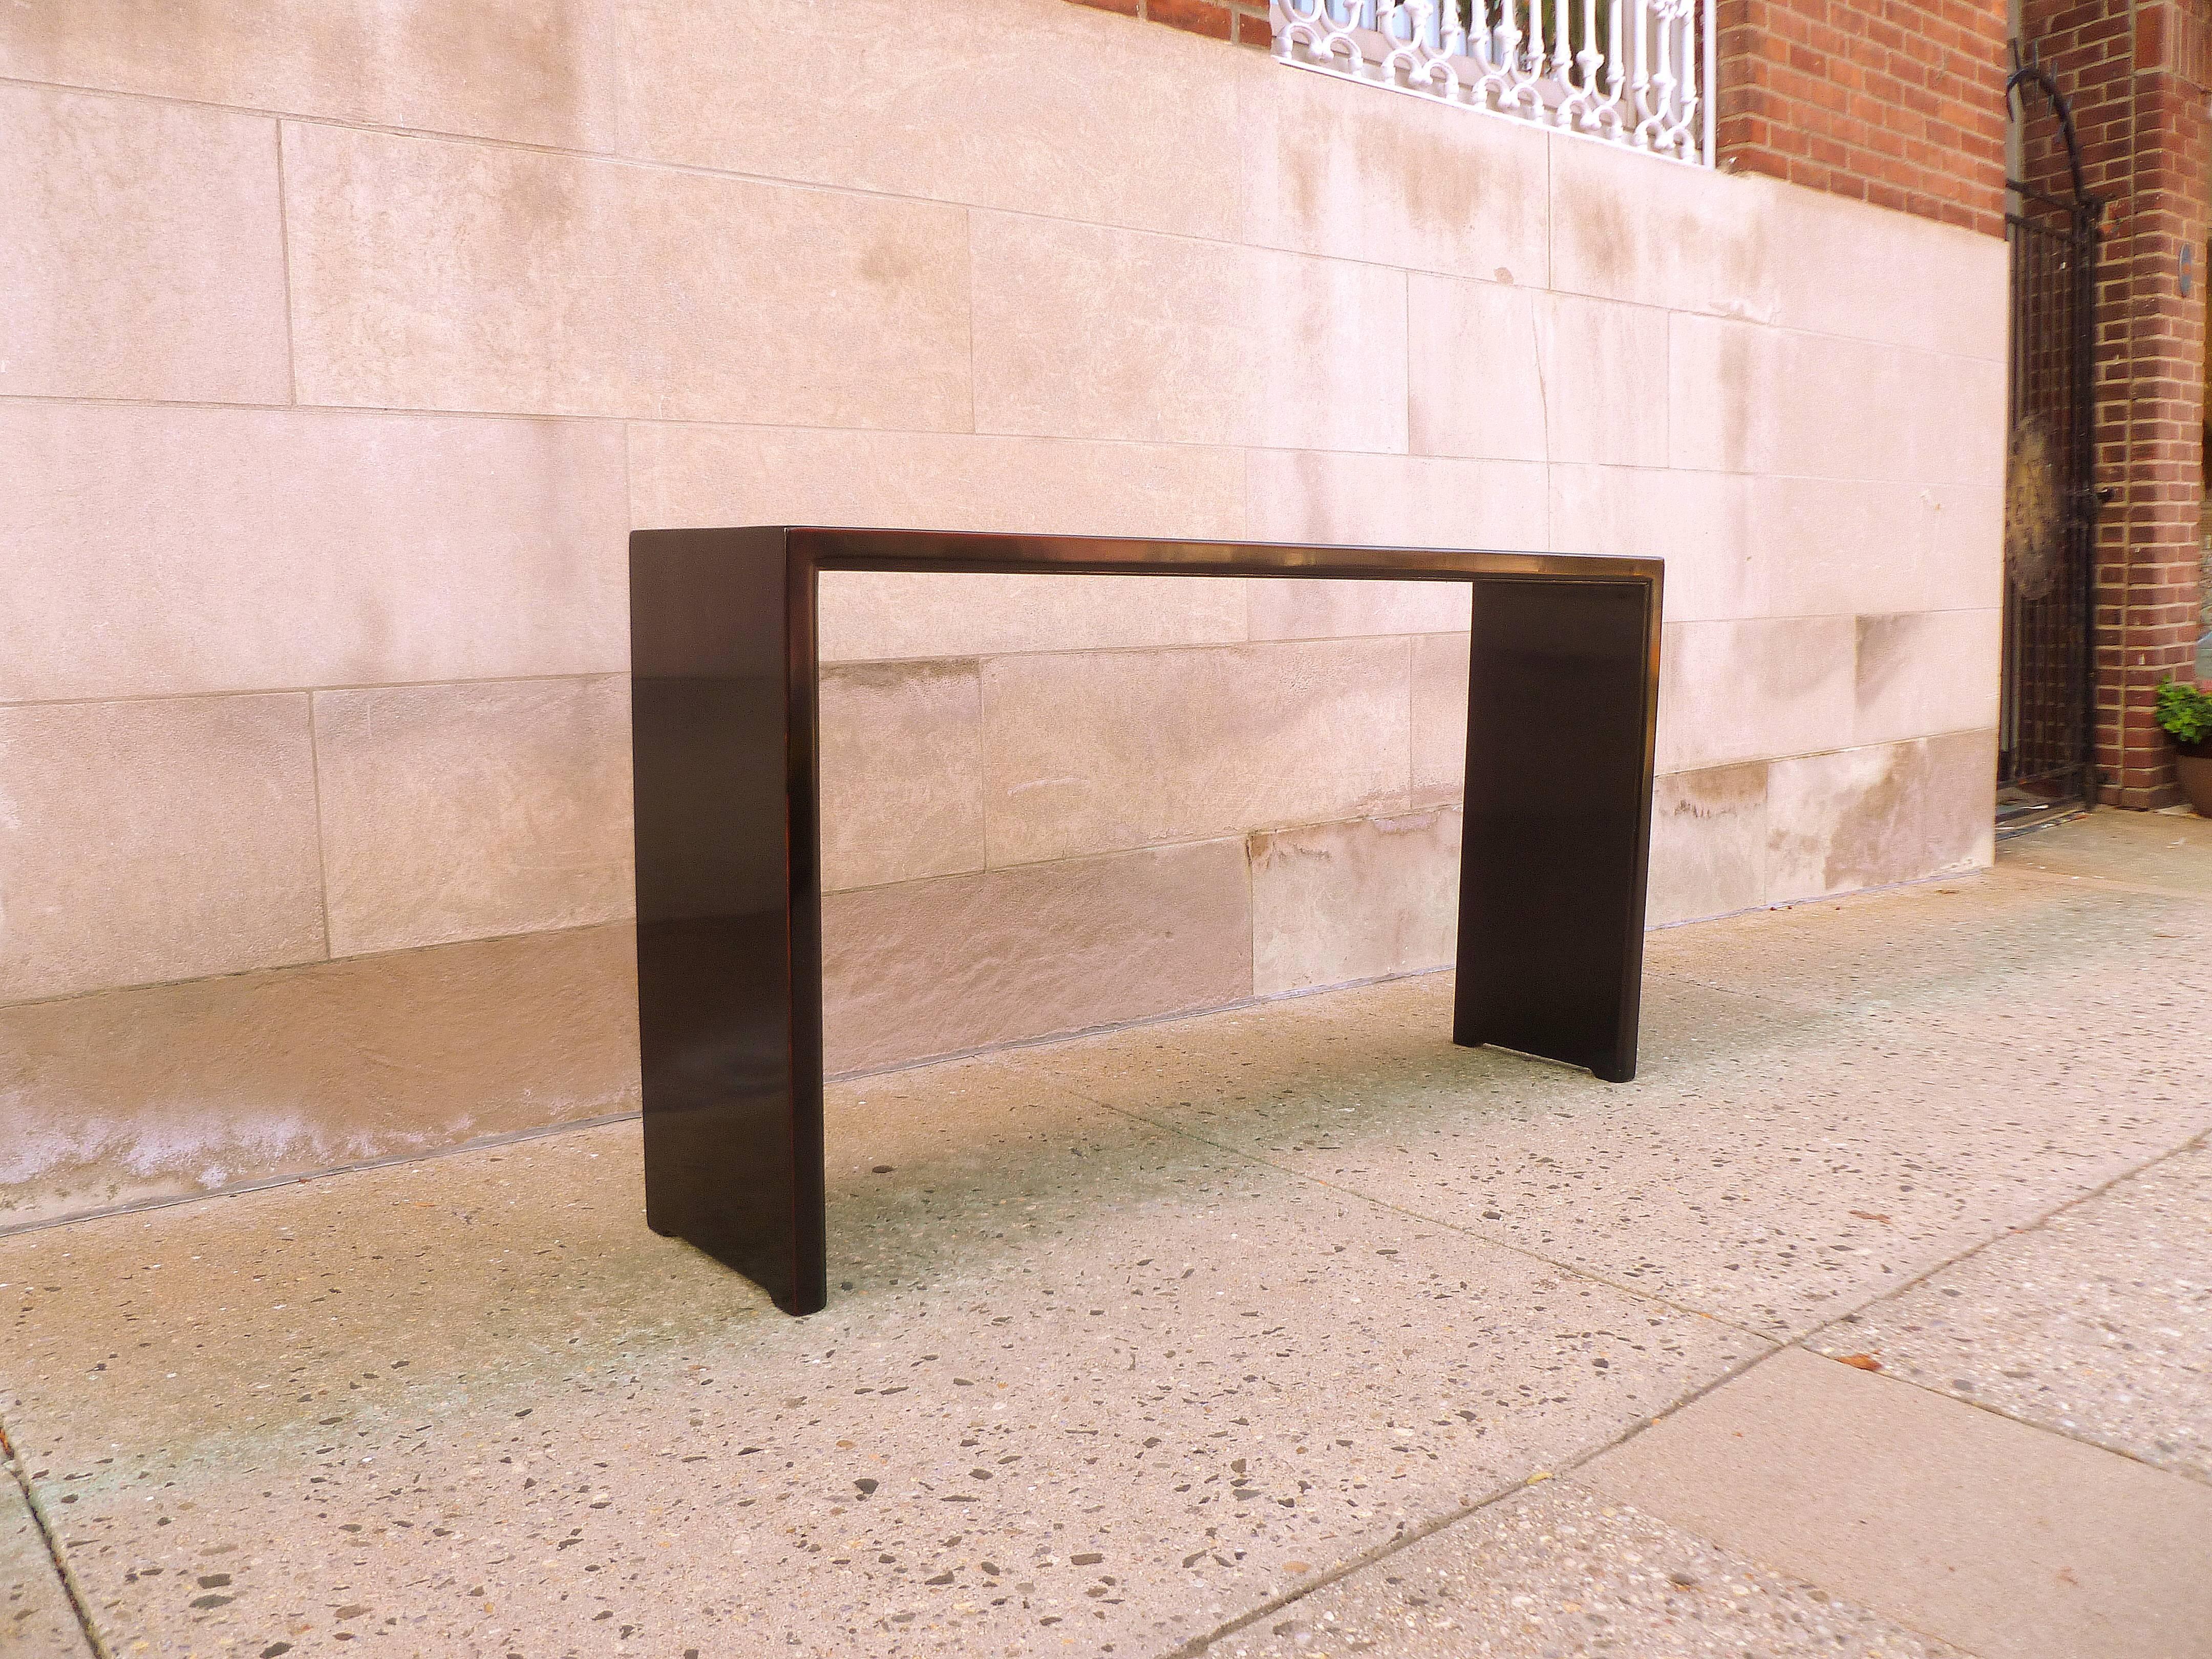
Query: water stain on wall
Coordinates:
[171,1089]
[538,71]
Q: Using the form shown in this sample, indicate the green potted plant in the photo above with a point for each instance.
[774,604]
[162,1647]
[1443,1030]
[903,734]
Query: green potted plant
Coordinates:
[2186,712]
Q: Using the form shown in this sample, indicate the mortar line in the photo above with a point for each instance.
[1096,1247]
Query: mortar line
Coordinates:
[430,412]
[284,262]
[79,1605]
[212,693]
[309,961]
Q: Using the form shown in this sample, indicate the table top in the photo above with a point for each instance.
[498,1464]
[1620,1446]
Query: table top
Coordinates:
[834,548]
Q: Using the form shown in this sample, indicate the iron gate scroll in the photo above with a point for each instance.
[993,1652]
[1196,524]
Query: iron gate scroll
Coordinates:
[2046,719]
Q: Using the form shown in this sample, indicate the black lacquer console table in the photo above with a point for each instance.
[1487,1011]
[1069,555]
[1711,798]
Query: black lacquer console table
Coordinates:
[1561,708]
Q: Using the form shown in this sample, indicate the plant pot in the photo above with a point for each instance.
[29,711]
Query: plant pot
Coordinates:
[2192,765]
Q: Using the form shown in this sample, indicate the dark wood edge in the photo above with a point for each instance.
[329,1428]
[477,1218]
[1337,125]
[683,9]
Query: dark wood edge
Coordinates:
[1631,989]
[833,549]
[803,870]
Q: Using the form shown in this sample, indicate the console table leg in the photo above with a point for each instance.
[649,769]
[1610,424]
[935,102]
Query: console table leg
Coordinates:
[1561,699]
[729,916]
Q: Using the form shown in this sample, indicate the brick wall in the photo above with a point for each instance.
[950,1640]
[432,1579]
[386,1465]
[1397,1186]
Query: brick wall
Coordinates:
[1896,102]
[1245,22]
[2138,97]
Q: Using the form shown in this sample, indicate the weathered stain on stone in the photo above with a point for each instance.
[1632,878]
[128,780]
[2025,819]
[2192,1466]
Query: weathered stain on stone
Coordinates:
[939,967]
[891,261]
[1708,843]
[1868,840]
[1885,649]
[1853,818]
[1341,166]
[1336,903]
[1606,231]
[473,811]
[167,1090]
[901,771]
[534,70]
[893,678]
[1715,790]
[1733,372]
[1959,806]
[540,199]
[154,840]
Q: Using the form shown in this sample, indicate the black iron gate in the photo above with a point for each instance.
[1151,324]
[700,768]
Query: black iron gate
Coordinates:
[2046,731]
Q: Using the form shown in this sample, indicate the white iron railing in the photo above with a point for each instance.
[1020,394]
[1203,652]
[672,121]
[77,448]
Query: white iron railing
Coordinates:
[1632,72]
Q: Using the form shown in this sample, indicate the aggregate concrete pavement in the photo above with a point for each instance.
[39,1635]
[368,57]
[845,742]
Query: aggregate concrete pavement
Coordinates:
[2010,1541]
[1561,1568]
[1234,1336]
[2097,1323]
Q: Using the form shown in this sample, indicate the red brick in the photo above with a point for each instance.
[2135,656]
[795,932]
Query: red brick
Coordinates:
[1207,17]
[1896,103]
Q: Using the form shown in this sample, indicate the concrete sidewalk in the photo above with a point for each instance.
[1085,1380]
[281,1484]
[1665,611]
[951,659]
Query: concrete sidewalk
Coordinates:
[1289,1331]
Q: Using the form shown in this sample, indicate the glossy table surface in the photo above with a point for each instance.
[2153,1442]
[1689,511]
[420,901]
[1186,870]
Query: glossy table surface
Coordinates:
[1563,693]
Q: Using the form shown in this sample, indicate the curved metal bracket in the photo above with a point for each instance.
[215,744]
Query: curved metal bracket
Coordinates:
[2030,71]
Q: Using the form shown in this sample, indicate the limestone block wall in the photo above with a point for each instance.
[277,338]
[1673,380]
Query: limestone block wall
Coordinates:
[341,347]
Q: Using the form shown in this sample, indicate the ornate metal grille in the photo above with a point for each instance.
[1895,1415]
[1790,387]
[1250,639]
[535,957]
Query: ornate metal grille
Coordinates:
[1632,72]
[2045,733]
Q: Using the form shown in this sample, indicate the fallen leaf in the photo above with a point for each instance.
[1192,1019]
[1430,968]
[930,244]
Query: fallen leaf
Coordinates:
[1865,1361]
[1868,1215]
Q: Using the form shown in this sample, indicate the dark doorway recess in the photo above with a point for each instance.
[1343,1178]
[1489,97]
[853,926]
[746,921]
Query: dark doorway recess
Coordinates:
[2047,712]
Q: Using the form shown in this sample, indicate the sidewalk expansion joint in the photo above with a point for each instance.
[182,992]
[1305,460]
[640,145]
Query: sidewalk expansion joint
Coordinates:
[2107,884]
[1407,1536]
[78,1605]
[2196,1142]
[1263,1162]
